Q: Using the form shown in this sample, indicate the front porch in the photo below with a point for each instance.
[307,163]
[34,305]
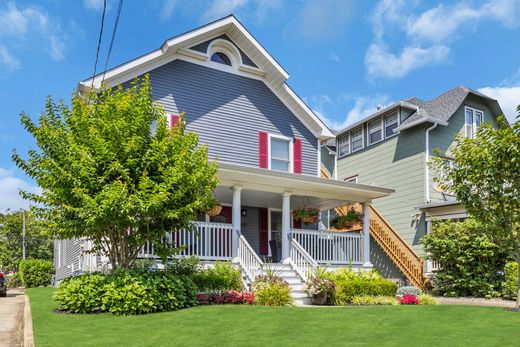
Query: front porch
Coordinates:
[256,224]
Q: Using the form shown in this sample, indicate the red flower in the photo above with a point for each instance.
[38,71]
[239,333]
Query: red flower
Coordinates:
[409,299]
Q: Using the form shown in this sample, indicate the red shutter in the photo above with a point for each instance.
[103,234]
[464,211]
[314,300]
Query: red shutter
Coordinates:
[173,120]
[263,149]
[297,156]
[264,233]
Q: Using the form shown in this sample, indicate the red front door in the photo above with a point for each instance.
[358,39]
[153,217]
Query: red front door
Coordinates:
[264,232]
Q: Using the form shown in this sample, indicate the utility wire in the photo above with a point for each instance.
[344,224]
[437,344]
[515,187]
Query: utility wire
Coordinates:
[99,40]
[112,39]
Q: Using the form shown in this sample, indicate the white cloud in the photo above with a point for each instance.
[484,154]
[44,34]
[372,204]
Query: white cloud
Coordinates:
[7,59]
[221,8]
[507,97]
[9,191]
[57,48]
[364,106]
[381,63]
[96,5]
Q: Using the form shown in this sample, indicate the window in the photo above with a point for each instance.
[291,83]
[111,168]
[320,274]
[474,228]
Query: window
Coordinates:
[391,122]
[352,179]
[374,131]
[474,118]
[280,154]
[356,137]
[221,58]
[344,145]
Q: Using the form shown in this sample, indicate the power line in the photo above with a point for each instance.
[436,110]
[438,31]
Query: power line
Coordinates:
[99,40]
[112,39]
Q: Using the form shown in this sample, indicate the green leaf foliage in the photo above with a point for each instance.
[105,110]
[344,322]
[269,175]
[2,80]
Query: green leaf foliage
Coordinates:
[36,272]
[112,170]
[273,294]
[470,262]
[510,284]
[223,276]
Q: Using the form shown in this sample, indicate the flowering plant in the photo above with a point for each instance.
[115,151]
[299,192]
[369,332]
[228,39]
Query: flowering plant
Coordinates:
[408,299]
[227,297]
[347,220]
[316,285]
[307,215]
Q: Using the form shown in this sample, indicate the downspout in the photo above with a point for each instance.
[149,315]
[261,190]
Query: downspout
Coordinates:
[427,169]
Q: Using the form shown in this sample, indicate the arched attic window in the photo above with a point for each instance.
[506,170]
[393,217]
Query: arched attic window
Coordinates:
[222,58]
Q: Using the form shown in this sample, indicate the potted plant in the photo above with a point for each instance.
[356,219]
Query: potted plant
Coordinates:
[347,220]
[214,209]
[319,286]
[307,215]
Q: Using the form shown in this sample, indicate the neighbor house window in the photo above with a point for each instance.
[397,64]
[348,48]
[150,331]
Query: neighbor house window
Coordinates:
[375,133]
[474,118]
[390,124]
[221,58]
[344,145]
[352,179]
[280,158]
[356,137]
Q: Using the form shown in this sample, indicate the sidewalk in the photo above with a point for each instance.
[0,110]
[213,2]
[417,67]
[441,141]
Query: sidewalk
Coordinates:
[12,319]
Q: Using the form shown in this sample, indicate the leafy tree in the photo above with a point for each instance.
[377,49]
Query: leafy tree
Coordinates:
[485,177]
[38,244]
[112,170]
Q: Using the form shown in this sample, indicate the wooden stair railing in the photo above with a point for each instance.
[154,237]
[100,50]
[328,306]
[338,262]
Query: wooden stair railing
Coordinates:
[403,256]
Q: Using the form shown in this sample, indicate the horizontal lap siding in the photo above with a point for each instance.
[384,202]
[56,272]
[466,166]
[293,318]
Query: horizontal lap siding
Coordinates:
[227,111]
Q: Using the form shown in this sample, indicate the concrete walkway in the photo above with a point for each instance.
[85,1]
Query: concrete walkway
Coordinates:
[12,319]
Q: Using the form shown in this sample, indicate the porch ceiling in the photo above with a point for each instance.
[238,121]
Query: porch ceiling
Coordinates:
[263,187]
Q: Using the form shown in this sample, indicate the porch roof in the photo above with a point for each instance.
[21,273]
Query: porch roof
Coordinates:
[320,192]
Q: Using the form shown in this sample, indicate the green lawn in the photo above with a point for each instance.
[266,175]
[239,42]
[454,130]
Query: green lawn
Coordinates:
[263,326]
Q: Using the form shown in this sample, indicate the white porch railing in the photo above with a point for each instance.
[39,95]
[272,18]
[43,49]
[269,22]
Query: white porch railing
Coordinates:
[249,260]
[300,260]
[331,247]
[208,241]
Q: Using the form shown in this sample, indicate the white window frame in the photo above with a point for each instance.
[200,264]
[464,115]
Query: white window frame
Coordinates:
[384,123]
[362,139]
[473,124]
[346,136]
[381,127]
[291,155]
[352,179]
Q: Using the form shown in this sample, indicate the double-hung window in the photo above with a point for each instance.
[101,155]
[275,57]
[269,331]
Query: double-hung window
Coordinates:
[375,132]
[280,158]
[344,145]
[356,138]
[474,118]
[391,123]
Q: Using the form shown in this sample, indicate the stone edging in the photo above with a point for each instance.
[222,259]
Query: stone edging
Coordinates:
[28,335]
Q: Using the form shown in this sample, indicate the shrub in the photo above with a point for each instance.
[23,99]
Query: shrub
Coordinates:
[408,290]
[188,266]
[408,299]
[228,297]
[142,265]
[470,263]
[347,289]
[319,282]
[364,300]
[273,294]
[426,299]
[510,284]
[224,276]
[81,294]
[168,292]
[125,294]
[36,272]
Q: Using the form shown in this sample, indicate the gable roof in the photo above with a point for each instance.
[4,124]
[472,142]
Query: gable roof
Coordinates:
[178,47]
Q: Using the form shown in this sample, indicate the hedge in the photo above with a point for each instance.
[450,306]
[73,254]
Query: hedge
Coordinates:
[36,272]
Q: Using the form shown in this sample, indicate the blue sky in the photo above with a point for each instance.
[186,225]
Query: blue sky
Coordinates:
[344,57]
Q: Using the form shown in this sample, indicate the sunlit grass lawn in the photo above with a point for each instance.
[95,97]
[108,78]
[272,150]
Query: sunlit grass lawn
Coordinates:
[441,325]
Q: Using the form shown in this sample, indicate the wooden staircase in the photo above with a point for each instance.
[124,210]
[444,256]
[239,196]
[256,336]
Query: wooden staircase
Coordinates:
[403,256]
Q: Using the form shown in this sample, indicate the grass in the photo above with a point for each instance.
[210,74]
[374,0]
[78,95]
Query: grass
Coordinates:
[442,325]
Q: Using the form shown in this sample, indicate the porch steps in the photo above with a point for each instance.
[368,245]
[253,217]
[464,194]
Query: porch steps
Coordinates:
[286,272]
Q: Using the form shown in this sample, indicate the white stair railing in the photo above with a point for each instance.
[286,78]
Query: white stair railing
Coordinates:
[251,263]
[301,261]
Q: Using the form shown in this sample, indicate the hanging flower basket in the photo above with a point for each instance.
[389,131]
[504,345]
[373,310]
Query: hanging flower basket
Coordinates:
[347,220]
[307,215]
[214,211]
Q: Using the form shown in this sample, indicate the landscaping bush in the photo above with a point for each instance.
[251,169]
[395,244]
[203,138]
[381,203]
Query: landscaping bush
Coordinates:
[408,299]
[510,284]
[227,297]
[408,290]
[125,294]
[470,263]
[426,299]
[188,266]
[224,276]
[36,272]
[81,294]
[365,300]
[273,294]
[346,290]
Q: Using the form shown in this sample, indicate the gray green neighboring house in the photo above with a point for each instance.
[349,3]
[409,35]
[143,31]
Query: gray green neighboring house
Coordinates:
[391,148]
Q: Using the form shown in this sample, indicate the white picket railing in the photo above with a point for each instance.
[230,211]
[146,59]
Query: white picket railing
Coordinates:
[300,260]
[251,264]
[331,247]
[208,241]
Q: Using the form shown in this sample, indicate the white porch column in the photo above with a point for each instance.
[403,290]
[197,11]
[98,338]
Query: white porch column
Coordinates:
[235,217]
[366,235]
[286,224]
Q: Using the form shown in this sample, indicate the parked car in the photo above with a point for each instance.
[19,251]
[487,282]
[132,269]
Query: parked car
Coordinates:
[3,284]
